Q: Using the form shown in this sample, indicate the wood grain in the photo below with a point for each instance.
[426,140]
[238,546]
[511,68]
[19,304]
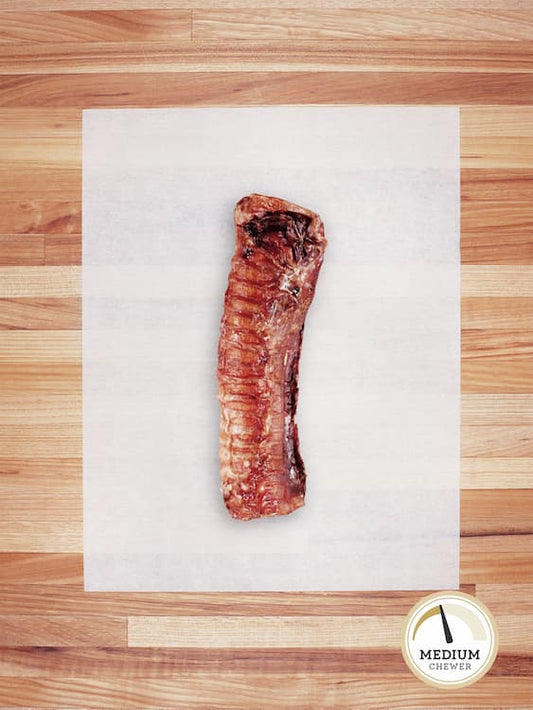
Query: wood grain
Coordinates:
[122,26]
[496,409]
[482,281]
[296,54]
[40,346]
[21,250]
[496,345]
[36,282]
[486,185]
[158,89]
[491,6]
[39,217]
[497,559]
[63,599]
[37,568]
[268,691]
[504,375]
[62,631]
[416,23]
[62,647]
[507,598]
[494,473]
[40,314]
[264,631]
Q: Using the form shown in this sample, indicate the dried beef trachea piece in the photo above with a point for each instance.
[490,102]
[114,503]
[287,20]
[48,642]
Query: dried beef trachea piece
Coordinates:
[278,253]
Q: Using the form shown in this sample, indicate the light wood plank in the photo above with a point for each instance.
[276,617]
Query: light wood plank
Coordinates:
[507,599]
[25,508]
[41,346]
[497,375]
[489,280]
[496,409]
[493,473]
[35,410]
[120,26]
[497,152]
[58,377]
[501,121]
[36,281]
[243,691]
[45,535]
[58,149]
[515,632]
[505,559]
[41,477]
[264,631]
[42,433]
[432,23]
[62,631]
[259,88]
[487,441]
[362,54]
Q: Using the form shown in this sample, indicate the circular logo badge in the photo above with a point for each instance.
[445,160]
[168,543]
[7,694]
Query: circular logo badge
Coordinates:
[449,639]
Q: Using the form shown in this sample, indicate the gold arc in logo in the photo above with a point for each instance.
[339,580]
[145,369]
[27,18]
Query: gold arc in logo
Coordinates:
[470,619]
[432,612]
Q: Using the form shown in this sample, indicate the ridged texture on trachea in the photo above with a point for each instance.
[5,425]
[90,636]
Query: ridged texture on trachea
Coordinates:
[278,253]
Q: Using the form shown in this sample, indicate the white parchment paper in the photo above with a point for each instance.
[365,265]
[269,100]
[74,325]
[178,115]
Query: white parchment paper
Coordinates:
[378,411]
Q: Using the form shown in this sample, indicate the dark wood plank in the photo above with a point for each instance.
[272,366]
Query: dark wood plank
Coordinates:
[38,217]
[257,88]
[490,512]
[79,26]
[62,249]
[488,185]
[21,250]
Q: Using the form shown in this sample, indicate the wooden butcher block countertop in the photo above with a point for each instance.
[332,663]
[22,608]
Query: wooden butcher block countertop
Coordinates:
[63,648]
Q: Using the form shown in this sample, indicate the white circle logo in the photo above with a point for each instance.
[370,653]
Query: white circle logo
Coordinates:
[449,639]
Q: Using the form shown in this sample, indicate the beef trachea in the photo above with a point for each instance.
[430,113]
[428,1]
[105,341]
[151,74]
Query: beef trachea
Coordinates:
[278,254]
